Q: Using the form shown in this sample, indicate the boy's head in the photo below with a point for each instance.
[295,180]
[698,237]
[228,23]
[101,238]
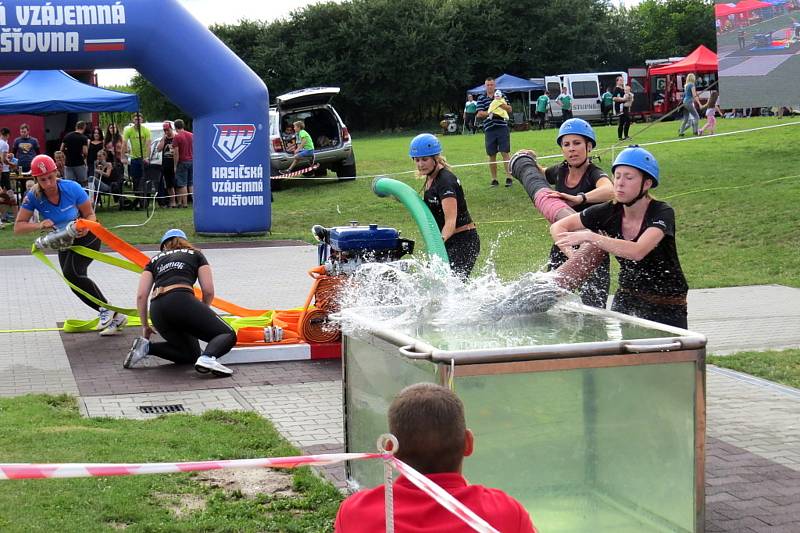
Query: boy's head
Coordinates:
[428,421]
[299,125]
[498,93]
[29,185]
[179,125]
[5,132]
[59,157]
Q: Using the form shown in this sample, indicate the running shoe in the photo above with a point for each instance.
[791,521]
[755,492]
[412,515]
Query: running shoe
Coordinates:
[494,183]
[117,323]
[207,363]
[137,353]
[509,182]
[105,316]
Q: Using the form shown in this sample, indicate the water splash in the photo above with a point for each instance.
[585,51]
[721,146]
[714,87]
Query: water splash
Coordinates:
[410,291]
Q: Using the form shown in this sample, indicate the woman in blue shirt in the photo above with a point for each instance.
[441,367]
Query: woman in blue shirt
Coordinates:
[690,116]
[60,202]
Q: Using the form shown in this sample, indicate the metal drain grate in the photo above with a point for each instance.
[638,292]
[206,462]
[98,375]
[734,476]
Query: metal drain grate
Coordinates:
[161,409]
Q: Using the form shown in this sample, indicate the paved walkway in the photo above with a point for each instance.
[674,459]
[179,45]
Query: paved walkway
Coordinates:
[753,452]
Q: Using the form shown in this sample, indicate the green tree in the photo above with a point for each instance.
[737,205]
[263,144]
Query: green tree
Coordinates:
[153,104]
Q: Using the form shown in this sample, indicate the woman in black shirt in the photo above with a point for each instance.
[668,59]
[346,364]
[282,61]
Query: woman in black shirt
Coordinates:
[444,196]
[640,232]
[178,316]
[581,183]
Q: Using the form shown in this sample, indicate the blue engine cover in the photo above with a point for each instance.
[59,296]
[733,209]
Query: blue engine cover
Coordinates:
[370,237]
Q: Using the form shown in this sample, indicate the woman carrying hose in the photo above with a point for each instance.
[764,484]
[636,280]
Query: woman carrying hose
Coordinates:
[60,202]
[640,232]
[444,196]
[178,316]
[580,183]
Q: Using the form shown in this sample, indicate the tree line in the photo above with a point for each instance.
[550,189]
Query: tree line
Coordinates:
[400,64]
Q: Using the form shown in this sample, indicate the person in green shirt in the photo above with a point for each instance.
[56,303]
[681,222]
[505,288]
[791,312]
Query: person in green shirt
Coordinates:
[470,109]
[607,105]
[137,146]
[542,104]
[304,146]
[565,101]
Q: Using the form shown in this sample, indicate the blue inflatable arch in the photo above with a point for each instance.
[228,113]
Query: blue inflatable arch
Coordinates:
[167,45]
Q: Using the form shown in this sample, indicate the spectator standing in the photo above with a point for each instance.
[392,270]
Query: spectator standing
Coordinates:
[25,148]
[168,161]
[75,146]
[625,118]
[136,141]
[428,421]
[470,109]
[113,143]
[541,108]
[8,197]
[690,115]
[740,35]
[607,106]
[497,134]
[182,150]
[96,144]
[565,101]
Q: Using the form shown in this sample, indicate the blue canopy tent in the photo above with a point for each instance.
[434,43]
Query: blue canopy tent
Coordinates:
[512,84]
[55,91]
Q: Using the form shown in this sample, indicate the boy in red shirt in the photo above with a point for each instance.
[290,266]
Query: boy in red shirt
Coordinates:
[428,421]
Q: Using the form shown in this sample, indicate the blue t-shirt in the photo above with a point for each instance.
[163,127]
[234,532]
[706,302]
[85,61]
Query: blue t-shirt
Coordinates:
[687,93]
[71,196]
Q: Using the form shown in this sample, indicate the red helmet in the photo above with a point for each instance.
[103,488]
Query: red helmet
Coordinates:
[42,164]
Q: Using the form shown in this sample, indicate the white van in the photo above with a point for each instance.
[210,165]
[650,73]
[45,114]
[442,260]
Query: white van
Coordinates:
[585,90]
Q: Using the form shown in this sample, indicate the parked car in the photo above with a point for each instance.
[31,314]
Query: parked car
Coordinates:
[333,146]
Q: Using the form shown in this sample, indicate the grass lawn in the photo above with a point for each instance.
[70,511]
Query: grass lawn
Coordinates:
[50,429]
[782,367]
[735,200]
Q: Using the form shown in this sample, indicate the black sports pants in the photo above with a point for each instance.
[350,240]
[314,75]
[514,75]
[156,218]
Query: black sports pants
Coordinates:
[74,267]
[181,319]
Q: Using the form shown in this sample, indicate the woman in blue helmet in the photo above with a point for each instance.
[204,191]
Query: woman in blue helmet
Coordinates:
[178,316]
[444,196]
[580,183]
[640,232]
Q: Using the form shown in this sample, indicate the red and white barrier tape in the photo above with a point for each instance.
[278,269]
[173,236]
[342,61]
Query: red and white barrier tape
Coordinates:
[68,470]
[296,172]
[72,470]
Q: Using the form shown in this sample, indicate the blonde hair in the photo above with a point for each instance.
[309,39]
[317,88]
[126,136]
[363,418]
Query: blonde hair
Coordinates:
[690,78]
[59,155]
[300,123]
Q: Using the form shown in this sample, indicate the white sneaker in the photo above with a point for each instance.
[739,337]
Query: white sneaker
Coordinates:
[116,325]
[206,364]
[105,316]
[137,353]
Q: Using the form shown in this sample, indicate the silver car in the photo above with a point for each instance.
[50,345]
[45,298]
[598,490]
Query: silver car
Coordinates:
[333,146]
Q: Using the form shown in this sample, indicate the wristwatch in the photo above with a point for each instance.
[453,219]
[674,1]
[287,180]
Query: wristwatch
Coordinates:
[583,198]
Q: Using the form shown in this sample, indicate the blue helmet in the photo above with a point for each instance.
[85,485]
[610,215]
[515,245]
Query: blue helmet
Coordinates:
[171,234]
[425,145]
[576,126]
[637,157]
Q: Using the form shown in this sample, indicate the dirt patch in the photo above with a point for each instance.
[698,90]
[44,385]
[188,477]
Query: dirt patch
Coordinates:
[249,483]
[182,504]
[117,525]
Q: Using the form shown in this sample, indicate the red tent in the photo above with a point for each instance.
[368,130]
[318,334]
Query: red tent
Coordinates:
[723,10]
[700,60]
[749,5]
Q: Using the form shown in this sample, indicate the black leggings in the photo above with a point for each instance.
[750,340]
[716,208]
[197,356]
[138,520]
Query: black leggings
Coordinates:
[671,315]
[181,319]
[74,267]
[594,291]
[463,250]
[624,125]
